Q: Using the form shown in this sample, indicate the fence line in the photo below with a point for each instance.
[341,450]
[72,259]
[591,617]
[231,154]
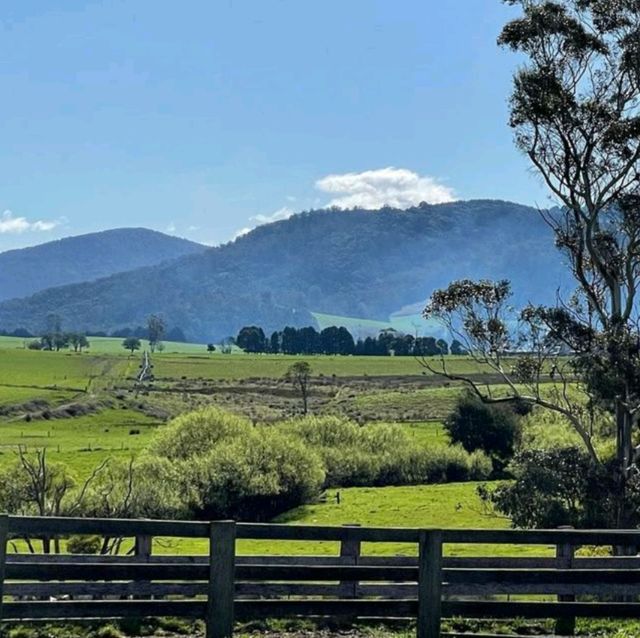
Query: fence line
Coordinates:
[224,587]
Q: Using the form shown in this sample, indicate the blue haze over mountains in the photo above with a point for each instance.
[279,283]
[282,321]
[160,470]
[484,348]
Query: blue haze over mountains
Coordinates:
[356,263]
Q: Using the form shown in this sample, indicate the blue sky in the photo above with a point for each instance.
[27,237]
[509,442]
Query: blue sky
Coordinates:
[207,117]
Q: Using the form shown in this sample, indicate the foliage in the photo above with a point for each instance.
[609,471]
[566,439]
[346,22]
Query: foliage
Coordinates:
[575,110]
[560,486]
[156,328]
[251,339]
[131,344]
[337,340]
[147,487]
[253,477]
[226,467]
[84,544]
[377,454]
[195,433]
[477,426]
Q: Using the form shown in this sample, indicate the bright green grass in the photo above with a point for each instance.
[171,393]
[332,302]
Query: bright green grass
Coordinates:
[242,366]
[454,505]
[11,396]
[427,434]
[57,369]
[111,345]
[81,442]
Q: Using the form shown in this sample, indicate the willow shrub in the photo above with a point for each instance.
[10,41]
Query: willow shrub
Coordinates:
[378,454]
[229,468]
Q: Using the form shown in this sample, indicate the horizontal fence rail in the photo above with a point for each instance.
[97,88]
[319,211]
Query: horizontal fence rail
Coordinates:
[223,587]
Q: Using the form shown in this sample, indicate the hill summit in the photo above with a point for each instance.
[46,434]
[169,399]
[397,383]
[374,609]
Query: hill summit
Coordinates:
[86,257]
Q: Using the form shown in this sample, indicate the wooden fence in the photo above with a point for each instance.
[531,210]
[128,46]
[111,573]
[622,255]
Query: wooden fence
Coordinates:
[224,587]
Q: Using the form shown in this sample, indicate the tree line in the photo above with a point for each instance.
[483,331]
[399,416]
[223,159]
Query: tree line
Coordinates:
[338,340]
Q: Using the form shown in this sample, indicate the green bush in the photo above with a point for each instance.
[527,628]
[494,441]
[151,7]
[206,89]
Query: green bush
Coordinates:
[195,433]
[559,487]
[478,426]
[226,467]
[379,455]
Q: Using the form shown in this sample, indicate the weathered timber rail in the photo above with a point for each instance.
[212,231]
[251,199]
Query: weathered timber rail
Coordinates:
[224,587]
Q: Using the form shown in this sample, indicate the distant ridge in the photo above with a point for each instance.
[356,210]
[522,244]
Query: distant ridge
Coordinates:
[26,271]
[355,263]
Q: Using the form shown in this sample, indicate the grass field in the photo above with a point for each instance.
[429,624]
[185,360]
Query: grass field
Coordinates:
[60,369]
[241,366]
[453,505]
[81,442]
[105,373]
[110,345]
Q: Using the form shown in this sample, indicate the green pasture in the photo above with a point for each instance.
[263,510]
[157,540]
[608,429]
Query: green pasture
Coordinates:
[244,366]
[452,505]
[110,345]
[64,369]
[427,434]
[81,442]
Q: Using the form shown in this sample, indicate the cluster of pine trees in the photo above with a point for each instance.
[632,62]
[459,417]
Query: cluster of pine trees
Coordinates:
[338,340]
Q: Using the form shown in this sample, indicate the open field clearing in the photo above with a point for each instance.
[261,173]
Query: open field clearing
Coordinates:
[81,442]
[63,369]
[448,505]
[240,366]
[109,345]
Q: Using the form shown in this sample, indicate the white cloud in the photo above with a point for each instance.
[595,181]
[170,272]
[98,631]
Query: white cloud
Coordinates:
[396,187]
[171,228]
[241,232]
[17,225]
[258,220]
[282,213]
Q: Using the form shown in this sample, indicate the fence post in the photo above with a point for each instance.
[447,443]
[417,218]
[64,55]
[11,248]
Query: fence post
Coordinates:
[222,551]
[350,552]
[564,559]
[430,584]
[143,546]
[4,534]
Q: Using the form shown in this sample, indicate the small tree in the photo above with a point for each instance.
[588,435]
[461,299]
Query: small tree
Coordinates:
[226,345]
[251,339]
[479,426]
[131,343]
[155,331]
[78,341]
[299,375]
[210,348]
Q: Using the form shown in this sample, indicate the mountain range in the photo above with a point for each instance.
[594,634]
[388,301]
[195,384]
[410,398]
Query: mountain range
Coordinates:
[86,257]
[357,263]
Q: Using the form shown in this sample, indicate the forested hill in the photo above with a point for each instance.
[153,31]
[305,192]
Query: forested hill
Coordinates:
[86,257]
[357,263]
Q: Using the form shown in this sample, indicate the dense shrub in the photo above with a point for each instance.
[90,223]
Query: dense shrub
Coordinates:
[150,487]
[228,467]
[555,487]
[195,433]
[477,426]
[378,454]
